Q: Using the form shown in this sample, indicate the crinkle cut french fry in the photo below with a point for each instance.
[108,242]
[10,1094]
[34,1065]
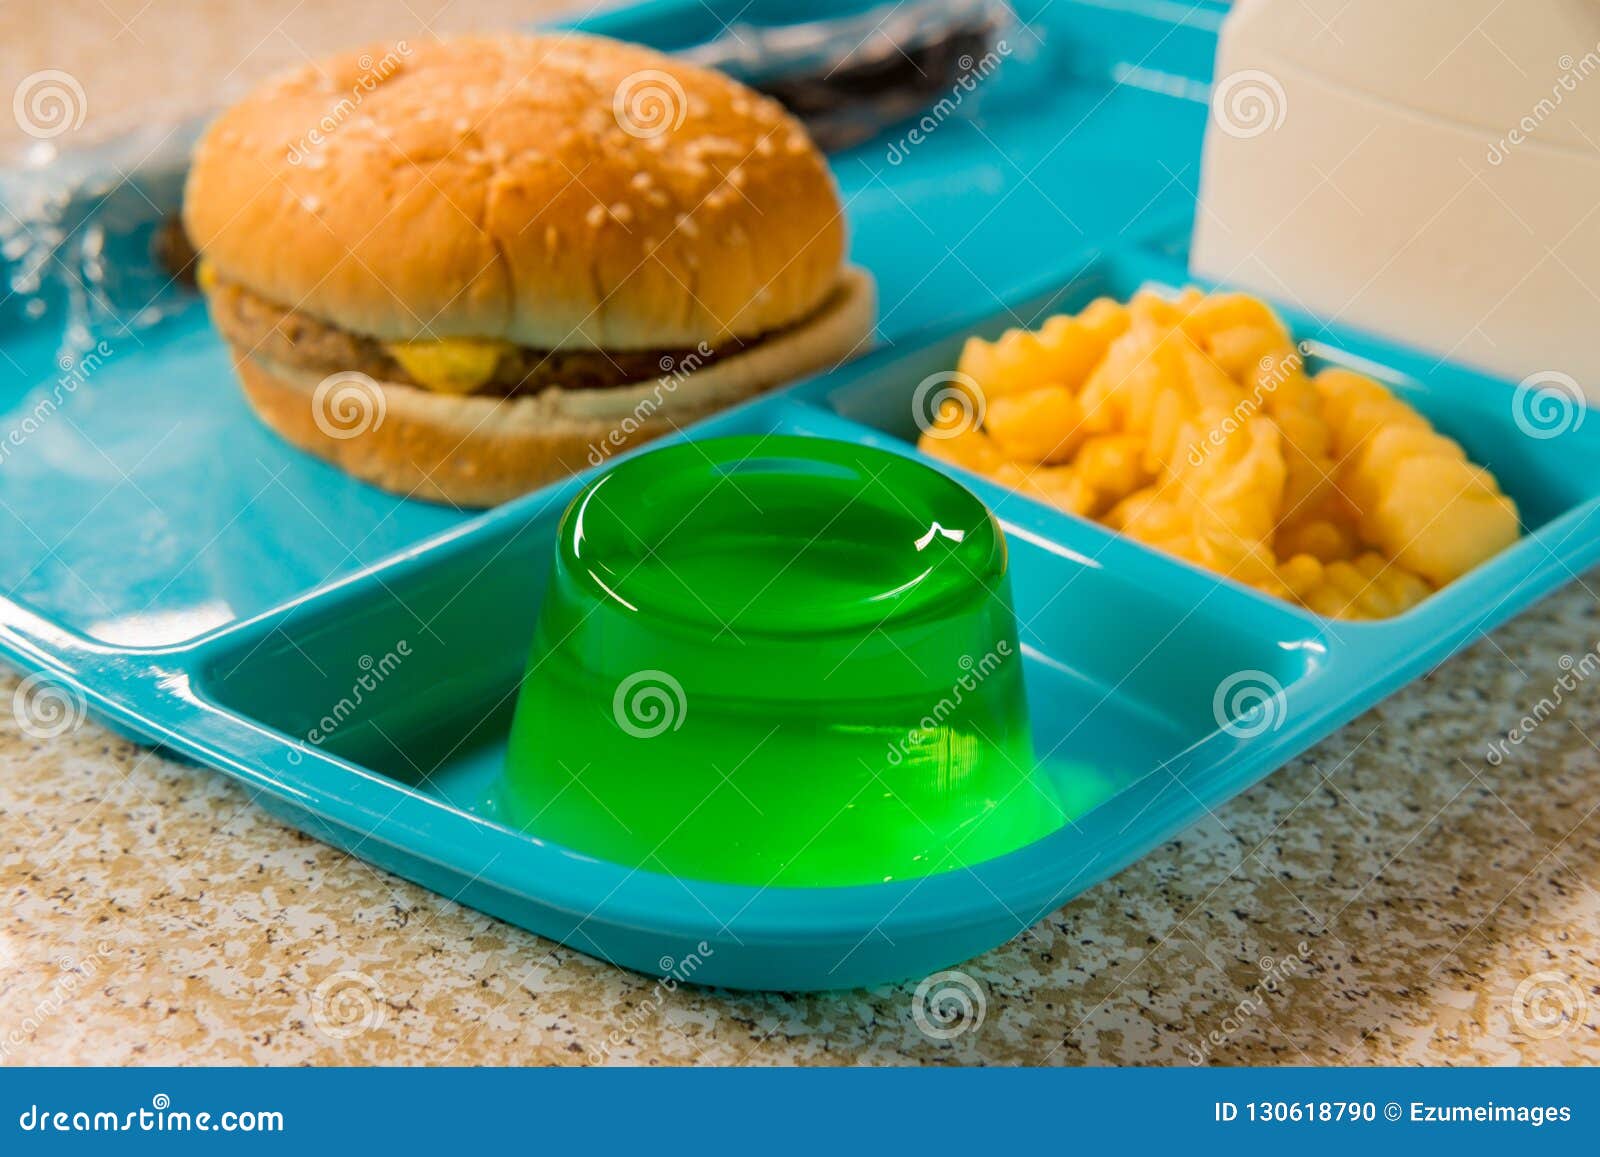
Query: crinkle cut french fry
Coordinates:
[1190,422]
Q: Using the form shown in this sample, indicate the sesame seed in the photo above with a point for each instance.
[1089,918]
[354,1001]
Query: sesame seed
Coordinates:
[596,216]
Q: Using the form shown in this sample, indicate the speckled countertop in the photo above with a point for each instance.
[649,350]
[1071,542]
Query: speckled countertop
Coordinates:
[1392,897]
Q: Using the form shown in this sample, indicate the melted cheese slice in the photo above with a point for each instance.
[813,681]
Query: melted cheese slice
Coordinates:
[457,365]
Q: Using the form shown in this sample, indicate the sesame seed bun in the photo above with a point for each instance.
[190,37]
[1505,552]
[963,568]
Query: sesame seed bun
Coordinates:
[555,191]
[557,213]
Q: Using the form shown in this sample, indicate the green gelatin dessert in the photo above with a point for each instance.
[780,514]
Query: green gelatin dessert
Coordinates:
[777,661]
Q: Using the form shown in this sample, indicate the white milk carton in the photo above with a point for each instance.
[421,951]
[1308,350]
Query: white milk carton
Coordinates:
[1424,169]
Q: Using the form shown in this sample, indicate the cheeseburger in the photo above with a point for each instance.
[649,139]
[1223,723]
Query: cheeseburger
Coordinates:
[460,269]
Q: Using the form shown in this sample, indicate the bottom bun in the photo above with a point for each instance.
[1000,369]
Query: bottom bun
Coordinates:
[479,451]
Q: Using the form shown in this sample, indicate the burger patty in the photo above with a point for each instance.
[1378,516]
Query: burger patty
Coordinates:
[293,338]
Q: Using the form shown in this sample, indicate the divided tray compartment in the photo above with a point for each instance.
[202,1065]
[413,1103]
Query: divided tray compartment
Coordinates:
[1546,472]
[365,694]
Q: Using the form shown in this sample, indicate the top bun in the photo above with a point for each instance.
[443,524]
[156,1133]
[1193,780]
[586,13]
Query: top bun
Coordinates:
[557,191]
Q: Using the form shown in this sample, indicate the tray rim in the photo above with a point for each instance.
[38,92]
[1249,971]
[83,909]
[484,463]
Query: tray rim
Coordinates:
[169,681]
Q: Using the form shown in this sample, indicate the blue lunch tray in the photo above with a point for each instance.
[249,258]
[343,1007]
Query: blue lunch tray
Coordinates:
[208,589]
